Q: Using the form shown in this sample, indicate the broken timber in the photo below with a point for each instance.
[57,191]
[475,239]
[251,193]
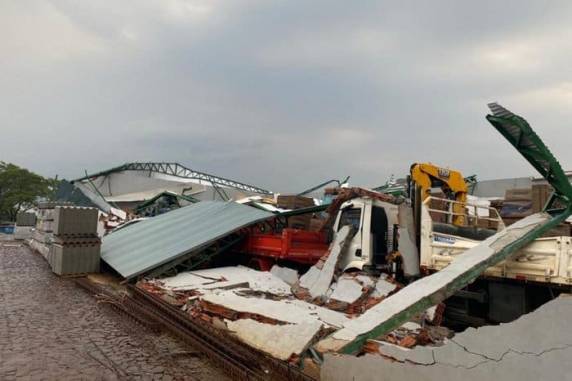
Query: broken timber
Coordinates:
[420,295]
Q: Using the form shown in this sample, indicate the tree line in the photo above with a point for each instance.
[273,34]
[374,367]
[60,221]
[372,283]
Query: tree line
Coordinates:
[20,189]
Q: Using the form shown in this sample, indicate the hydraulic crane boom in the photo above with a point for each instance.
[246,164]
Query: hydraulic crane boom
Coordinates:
[425,176]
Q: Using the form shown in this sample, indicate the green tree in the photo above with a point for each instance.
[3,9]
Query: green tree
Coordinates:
[19,189]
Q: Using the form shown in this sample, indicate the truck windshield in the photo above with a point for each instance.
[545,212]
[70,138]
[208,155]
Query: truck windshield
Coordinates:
[351,217]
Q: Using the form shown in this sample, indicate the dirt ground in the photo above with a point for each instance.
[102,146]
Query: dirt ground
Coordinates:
[50,329]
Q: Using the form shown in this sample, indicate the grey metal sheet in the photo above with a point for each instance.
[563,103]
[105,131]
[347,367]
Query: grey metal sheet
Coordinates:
[148,244]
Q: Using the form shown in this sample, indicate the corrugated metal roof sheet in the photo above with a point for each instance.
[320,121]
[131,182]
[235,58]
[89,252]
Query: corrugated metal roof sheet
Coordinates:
[148,244]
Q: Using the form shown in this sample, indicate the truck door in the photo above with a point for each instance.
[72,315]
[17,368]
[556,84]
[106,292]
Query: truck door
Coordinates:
[350,216]
[353,216]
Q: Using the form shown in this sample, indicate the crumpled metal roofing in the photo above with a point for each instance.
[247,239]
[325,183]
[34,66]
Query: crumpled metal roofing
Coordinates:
[148,244]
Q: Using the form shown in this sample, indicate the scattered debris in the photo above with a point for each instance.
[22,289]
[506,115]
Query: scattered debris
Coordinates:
[317,280]
[288,275]
[433,289]
[226,278]
[369,274]
[346,290]
[280,341]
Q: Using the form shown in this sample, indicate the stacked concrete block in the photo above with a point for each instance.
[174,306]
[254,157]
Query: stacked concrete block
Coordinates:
[75,246]
[75,221]
[43,234]
[75,258]
[22,233]
[25,223]
[26,219]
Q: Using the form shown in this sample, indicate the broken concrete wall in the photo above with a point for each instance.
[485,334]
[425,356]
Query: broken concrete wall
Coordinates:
[431,290]
[318,279]
[280,341]
[406,241]
[227,278]
[538,346]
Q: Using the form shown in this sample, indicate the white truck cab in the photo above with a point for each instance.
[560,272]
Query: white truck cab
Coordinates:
[373,222]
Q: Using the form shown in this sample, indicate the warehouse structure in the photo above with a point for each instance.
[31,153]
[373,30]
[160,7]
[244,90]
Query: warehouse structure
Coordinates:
[129,185]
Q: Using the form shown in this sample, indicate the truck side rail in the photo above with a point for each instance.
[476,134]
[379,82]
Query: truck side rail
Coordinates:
[471,219]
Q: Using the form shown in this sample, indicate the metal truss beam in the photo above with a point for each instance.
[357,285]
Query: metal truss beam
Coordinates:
[177,170]
[520,134]
[197,257]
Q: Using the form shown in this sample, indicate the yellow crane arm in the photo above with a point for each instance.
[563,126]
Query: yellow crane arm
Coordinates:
[427,176]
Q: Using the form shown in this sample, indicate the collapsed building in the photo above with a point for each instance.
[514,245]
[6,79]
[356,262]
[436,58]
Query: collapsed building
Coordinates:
[131,184]
[371,286]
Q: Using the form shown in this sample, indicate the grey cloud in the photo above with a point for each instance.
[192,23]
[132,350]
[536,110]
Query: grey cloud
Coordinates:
[284,94]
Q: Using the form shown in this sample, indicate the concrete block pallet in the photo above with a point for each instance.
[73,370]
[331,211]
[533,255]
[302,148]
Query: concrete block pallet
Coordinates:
[67,237]
[71,220]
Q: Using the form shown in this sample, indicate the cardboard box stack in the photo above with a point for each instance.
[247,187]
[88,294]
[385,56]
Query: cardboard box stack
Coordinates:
[517,204]
[520,203]
[296,202]
[540,195]
[75,247]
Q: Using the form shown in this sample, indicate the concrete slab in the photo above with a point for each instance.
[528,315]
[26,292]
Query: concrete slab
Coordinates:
[421,355]
[279,341]
[294,311]
[406,241]
[545,325]
[383,287]
[347,290]
[332,318]
[288,275]
[227,277]
[554,365]
[537,346]
[318,280]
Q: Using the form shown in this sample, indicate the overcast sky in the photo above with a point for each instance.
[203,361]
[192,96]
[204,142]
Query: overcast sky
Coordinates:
[281,94]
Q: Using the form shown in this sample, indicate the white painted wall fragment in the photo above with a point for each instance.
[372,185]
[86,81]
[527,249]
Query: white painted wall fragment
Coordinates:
[279,341]
[317,281]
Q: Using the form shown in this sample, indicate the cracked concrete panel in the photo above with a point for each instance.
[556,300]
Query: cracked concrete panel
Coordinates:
[317,280]
[453,355]
[288,311]
[288,275]
[545,324]
[280,341]
[406,241]
[537,346]
[383,287]
[347,290]
[226,277]
[553,365]
[418,355]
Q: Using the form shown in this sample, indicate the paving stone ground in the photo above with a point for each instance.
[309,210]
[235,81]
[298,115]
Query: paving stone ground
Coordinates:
[50,329]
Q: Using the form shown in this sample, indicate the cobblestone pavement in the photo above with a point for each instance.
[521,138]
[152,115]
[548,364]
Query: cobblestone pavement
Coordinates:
[50,329]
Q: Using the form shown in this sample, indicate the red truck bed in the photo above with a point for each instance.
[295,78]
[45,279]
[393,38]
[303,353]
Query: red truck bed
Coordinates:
[294,245]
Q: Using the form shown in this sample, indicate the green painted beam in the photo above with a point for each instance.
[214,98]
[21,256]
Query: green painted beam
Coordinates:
[516,130]
[167,193]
